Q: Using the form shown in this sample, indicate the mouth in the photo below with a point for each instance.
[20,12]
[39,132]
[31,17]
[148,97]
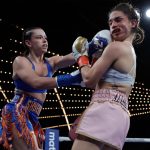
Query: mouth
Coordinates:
[45,46]
[116,31]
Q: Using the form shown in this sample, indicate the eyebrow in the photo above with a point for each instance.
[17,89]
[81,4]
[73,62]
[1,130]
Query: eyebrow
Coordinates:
[118,17]
[39,35]
[115,18]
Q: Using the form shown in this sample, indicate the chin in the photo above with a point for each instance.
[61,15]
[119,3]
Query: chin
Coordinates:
[118,38]
[44,50]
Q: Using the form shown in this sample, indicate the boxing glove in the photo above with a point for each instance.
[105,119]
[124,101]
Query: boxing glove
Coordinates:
[99,42]
[80,51]
[73,78]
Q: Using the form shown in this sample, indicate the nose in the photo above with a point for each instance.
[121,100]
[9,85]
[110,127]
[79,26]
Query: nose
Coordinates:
[45,40]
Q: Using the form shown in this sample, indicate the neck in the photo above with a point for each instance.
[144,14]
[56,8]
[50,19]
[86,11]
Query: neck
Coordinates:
[36,58]
[130,39]
[128,42]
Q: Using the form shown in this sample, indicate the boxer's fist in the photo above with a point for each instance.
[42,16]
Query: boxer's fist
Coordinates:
[99,42]
[80,47]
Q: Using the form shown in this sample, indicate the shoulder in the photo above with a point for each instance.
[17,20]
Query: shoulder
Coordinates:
[19,58]
[51,60]
[118,47]
[20,61]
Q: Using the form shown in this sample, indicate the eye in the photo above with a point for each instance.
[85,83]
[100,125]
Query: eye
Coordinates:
[119,19]
[39,37]
[110,22]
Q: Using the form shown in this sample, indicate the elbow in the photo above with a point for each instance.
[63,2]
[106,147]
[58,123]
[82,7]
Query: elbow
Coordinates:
[89,83]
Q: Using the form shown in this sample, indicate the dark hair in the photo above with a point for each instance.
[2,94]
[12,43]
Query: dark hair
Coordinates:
[132,14]
[27,33]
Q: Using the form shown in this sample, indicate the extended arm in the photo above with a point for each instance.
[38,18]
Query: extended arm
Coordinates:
[22,69]
[58,62]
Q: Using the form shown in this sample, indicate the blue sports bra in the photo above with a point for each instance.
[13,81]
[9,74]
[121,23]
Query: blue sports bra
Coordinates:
[21,85]
[113,76]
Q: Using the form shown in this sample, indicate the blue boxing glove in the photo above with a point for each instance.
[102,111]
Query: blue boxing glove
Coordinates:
[99,42]
[73,78]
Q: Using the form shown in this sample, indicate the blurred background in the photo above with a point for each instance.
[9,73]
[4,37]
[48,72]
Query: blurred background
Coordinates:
[64,21]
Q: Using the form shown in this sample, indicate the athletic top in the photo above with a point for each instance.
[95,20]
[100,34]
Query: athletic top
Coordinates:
[114,76]
[21,85]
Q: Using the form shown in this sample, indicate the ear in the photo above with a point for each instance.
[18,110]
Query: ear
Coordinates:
[134,23]
[27,43]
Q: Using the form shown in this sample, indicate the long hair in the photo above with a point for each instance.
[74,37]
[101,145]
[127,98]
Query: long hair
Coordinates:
[132,14]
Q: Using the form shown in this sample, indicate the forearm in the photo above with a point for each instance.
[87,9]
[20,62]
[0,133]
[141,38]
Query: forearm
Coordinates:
[87,76]
[66,61]
[73,78]
[44,83]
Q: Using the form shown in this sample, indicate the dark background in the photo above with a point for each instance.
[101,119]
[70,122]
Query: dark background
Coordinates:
[63,21]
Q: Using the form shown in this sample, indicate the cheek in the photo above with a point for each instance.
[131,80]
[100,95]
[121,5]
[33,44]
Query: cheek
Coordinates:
[128,30]
[125,28]
[128,26]
[37,43]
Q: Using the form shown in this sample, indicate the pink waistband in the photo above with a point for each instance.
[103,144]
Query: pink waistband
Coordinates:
[110,95]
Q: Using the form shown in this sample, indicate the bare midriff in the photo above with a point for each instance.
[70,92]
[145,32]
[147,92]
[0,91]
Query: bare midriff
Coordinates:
[126,89]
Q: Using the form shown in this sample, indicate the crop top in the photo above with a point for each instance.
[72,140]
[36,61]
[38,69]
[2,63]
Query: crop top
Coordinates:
[113,76]
[21,85]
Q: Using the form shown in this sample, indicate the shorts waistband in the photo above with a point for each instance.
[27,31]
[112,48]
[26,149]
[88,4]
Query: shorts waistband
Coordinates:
[110,95]
[33,104]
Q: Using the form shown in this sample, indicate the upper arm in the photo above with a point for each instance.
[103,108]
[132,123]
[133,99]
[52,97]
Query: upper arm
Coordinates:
[58,62]
[22,69]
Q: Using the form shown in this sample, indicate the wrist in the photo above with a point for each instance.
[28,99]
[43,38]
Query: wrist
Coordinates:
[83,61]
[69,79]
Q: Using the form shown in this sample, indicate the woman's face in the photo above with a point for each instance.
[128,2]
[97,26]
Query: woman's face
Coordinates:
[120,25]
[38,41]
